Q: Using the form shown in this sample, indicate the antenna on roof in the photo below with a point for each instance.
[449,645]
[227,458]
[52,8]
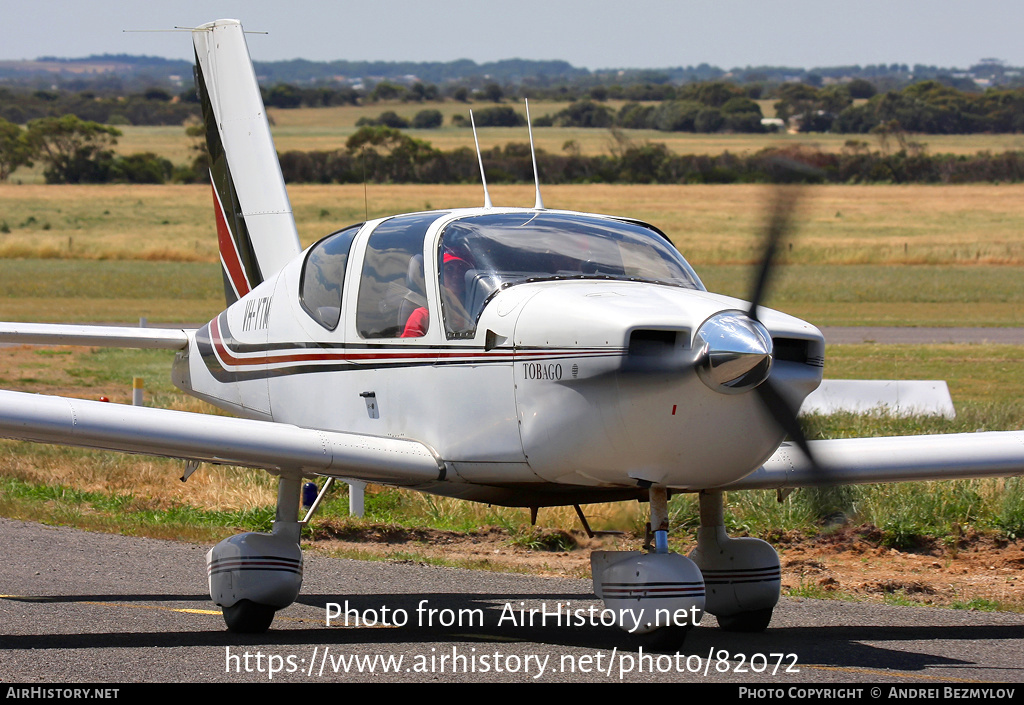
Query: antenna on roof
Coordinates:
[487,196]
[539,203]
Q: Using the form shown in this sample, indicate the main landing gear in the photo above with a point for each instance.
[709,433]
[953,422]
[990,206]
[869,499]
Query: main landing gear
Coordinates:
[254,575]
[660,596]
[657,596]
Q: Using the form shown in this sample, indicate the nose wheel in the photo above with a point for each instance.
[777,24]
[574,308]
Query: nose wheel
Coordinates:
[657,596]
[248,617]
[742,575]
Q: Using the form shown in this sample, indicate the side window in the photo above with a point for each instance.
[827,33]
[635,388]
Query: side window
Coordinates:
[323,277]
[456,278]
[392,298]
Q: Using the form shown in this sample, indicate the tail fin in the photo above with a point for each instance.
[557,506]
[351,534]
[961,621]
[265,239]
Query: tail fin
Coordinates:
[255,227]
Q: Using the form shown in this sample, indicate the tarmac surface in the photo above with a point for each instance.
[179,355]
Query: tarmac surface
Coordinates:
[81,607]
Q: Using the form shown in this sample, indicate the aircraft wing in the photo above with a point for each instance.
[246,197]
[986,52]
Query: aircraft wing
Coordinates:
[850,461]
[98,336]
[215,439]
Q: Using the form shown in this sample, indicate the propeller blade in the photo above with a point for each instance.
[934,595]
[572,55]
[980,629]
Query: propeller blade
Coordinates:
[783,413]
[779,225]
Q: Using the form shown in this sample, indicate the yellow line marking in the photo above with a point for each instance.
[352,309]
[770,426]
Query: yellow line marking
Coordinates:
[183,610]
[191,611]
[42,598]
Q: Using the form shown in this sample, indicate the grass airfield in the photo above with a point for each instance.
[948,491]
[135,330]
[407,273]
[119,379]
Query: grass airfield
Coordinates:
[859,255]
[862,255]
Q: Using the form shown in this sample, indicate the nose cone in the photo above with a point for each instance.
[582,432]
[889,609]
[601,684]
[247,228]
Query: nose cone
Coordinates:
[735,352]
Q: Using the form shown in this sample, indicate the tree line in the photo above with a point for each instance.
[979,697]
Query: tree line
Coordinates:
[76,151]
[154,106]
[854,107]
[928,107]
[79,151]
[381,154]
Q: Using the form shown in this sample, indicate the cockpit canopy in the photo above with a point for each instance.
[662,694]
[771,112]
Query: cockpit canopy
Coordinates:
[504,249]
[478,255]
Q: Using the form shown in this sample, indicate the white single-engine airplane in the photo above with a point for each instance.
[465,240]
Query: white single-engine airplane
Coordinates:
[516,356]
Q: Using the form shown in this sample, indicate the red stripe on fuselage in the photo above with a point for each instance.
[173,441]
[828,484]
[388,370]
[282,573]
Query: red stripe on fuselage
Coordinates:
[228,358]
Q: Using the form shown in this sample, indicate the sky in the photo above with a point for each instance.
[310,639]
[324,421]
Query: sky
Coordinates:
[594,34]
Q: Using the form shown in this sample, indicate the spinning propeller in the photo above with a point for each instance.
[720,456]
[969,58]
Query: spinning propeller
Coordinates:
[779,224]
[732,350]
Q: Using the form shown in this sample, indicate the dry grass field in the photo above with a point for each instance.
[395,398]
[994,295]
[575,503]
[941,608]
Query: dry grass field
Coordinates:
[913,224]
[910,255]
[838,225]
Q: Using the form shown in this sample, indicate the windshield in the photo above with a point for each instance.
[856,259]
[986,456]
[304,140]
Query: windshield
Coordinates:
[481,254]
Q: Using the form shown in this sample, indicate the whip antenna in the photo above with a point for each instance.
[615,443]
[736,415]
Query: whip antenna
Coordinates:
[184,29]
[487,196]
[538,204]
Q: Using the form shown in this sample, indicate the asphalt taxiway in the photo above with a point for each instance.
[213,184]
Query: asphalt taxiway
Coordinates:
[82,607]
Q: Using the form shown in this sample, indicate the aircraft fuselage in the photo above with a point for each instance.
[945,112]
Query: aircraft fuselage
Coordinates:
[537,389]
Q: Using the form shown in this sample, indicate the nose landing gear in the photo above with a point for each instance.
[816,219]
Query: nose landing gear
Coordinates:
[661,595]
[658,596]
[743,576]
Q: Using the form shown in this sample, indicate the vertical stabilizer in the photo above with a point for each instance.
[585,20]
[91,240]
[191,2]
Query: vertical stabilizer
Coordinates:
[255,228]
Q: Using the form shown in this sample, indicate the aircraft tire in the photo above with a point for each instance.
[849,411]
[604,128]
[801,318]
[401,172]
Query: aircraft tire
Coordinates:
[248,617]
[746,622]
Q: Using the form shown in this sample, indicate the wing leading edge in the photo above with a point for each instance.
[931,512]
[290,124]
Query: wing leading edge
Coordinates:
[215,439]
[97,336]
[851,461]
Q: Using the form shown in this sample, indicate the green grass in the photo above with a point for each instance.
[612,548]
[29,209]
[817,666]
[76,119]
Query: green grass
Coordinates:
[536,539]
[885,295]
[985,381]
[72,291]
[979,604]
[873,284]
[68,278]
[415,510]
[814,591]
[900,598]
[124,513]
[95,370]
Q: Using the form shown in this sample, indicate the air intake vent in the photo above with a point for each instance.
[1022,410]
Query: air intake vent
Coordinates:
[797,350]
[653,343]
